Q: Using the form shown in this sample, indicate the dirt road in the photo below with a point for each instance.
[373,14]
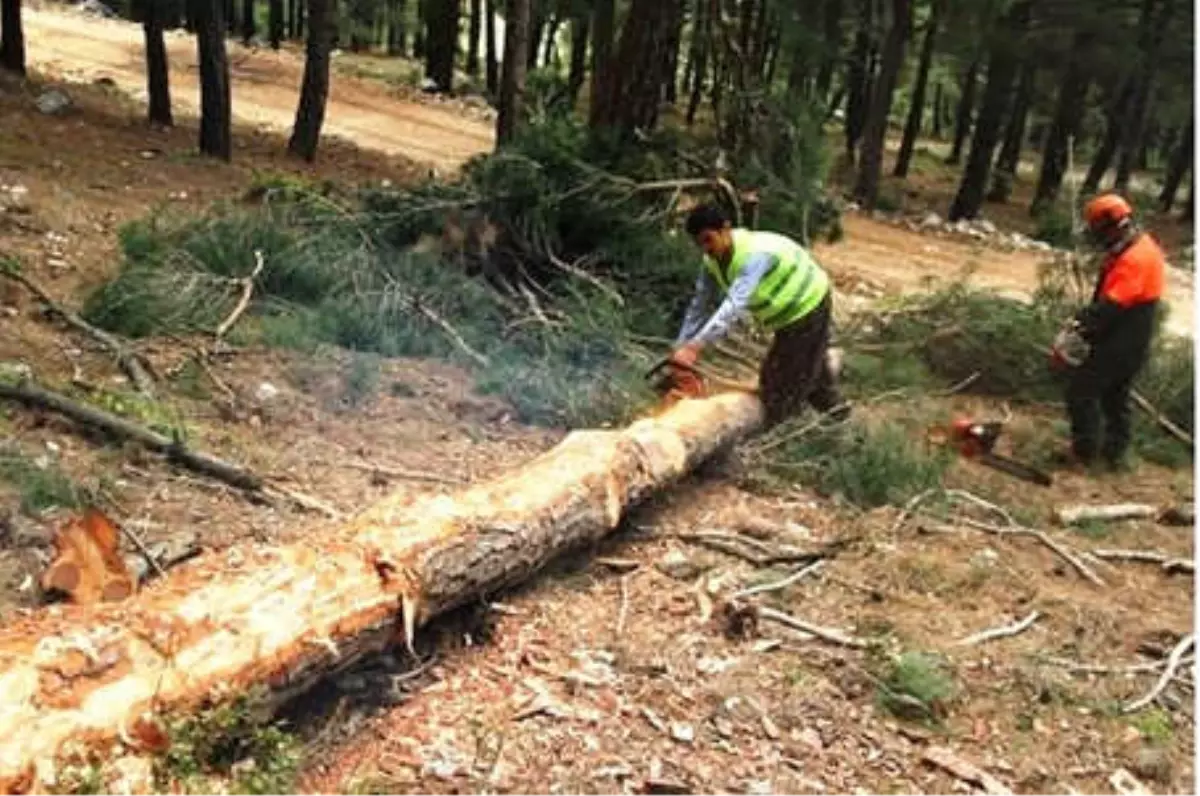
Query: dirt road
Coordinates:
[266,86]
[265,90]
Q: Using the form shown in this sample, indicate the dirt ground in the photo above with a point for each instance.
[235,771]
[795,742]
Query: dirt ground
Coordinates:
[613,673]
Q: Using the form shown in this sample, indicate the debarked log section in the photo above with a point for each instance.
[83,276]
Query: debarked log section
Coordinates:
[286,616]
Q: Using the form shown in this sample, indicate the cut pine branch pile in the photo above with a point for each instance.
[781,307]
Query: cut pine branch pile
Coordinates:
[286,616]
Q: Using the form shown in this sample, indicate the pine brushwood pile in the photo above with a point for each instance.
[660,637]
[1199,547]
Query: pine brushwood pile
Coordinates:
[283,617]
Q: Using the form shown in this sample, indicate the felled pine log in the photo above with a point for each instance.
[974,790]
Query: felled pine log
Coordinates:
[286,616]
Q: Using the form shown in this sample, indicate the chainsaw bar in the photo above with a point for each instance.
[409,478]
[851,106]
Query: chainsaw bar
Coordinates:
[1022,471]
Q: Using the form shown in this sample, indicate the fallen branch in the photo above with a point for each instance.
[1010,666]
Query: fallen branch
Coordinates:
[1162,420]
[36,396]
[1059,549]
[825,633]
[244,301]
[450,331]
[301,500]
[968,772]
[127,360]
[1093,668]
[591,279]
[1001,632]
[1072,515]
[1173,662]
[758,553]
[1169,565]
[778,585]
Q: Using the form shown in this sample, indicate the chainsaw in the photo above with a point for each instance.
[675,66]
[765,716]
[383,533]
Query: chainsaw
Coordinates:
[673,382]
[976,440]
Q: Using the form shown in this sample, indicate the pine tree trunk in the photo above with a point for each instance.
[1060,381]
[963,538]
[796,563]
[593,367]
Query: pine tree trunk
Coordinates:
[1189,209]
[1181,161]
[858,80]
[701,47]
[516,62]
[215,104]
[866,188]
[314,89]
[938,110]
[293,19]
[966,109]
[537,22]
[230,17]
[671,53]
[916,110]
[551,46]
[635,91]
[493,62]
[249,25]
[419,43]
[1009,158]
[12,37]
[275,22]
[831,14]
[997,96]
[474,27]
[1132,132]
[1065,126]
[580,34]
[604,22]
[397,36]
[441,43]
[285,617]
[1108,144]
[158,86]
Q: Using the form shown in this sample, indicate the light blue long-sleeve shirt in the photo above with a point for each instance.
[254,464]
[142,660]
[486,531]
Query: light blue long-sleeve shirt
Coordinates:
[735,306]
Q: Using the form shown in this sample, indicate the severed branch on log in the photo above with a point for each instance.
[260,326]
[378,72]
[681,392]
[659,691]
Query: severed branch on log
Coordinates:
[1000,632]
[126,359]
[285,616]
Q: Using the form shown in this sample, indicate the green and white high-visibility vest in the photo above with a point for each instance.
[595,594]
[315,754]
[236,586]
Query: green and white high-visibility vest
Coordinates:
[791,288]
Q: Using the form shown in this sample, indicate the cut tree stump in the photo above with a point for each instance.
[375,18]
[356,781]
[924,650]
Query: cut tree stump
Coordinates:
[286,616]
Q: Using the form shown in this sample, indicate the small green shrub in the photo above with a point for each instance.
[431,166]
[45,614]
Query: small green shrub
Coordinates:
[1155,725]
[1055,224]
[42,487]
[916,686]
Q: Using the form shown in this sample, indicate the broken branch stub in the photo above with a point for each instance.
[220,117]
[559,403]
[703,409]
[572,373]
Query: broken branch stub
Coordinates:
[285,616]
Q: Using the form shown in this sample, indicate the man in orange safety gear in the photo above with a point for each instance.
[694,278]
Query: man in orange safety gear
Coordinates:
[1117,326]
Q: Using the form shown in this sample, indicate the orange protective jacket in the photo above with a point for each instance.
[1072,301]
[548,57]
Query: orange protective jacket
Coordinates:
[1120,320]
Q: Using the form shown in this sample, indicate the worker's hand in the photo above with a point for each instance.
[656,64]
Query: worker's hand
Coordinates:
[686,355]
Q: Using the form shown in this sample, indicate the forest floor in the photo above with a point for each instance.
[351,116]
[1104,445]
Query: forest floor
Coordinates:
[635,684]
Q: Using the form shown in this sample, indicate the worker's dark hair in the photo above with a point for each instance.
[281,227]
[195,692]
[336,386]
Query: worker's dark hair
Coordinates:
[706,216]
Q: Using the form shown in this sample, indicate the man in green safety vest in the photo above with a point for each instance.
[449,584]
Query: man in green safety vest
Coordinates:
[775,281]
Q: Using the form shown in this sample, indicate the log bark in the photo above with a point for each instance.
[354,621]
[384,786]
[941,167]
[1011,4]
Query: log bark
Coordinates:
[285,616]
[1073,515]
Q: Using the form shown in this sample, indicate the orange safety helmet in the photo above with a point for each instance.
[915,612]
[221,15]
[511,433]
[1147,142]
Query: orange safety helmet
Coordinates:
[1107,211]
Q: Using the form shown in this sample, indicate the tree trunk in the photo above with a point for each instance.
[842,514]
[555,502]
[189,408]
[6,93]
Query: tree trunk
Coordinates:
[858,78]
[419,42]
[249,25]
[441,43]
[912,125]
[1064,128]
[997,95]
[1132,132]
[216,138]
[230,17]
[1189,209]
[397,35]
[938,99]
[701,48]
[635,90]
[537,22]
[580,33]
[333,598]
[512,79]
[293,19]
[493,62]
[12,37]
[158,86]
[1018,122]
[474,27]
[1181,161]
[275,22]
[1108,144]
[831,14]
[551,47]
[314,89]
[966,109]
[671,56]
[604,24]
[866,188]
